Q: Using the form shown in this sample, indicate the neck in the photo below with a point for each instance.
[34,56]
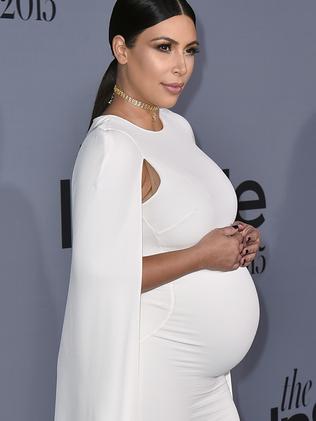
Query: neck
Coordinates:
[135,115]
[136,103]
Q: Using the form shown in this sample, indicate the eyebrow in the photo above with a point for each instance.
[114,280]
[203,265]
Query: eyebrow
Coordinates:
[173,41]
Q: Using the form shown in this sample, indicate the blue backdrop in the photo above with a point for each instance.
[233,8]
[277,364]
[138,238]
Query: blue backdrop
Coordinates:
[251,102]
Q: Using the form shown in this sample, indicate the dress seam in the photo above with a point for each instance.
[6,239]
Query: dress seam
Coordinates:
[170,227]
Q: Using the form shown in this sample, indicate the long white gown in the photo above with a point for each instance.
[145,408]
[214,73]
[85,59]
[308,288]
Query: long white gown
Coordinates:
[166,354]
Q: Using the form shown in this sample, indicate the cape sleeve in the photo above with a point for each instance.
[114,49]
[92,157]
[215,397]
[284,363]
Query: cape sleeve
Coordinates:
[98,359]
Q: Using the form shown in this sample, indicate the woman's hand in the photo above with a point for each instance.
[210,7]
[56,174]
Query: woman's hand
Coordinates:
[220,249]
[251,242]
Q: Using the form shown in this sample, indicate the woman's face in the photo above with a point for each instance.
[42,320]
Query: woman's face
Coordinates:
[152,64]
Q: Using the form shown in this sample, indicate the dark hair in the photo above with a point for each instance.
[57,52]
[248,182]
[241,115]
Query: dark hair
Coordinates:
[129,18]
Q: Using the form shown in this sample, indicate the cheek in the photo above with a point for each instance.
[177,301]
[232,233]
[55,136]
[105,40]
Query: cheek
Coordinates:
[190,67]
[152,64]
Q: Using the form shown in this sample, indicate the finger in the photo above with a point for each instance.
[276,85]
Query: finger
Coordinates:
[246,233]
[246,260]
[250,249]
[239,238]
[240,259]
[247,239]
[253,234]
[247,263]
[241,225]
[236,266]
[252,238]
[250,255]
[230,230]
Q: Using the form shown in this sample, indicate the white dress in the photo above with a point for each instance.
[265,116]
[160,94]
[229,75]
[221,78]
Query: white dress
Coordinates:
[166,354]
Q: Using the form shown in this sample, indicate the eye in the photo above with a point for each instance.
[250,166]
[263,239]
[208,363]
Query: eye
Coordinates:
[163,45]
[193,50]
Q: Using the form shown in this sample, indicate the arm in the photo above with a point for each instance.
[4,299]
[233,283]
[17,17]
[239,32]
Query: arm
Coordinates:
[219,249]
[161,268]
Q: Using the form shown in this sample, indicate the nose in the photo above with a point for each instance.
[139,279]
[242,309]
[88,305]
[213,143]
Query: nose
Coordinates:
[180,66]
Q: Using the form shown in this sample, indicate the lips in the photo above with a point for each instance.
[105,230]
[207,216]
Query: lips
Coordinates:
[174,85]
[173,88]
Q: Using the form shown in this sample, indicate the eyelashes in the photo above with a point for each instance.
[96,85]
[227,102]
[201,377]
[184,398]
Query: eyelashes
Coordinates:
[192,51]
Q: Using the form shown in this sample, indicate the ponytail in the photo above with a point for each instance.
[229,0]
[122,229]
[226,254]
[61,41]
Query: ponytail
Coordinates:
[105,90]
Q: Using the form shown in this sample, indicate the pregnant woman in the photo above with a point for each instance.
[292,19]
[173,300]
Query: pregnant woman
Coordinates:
[161,305]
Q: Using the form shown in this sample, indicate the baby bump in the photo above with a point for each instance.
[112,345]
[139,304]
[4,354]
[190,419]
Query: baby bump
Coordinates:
[208,319]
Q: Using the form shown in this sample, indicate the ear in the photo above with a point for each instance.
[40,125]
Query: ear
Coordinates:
[119,49]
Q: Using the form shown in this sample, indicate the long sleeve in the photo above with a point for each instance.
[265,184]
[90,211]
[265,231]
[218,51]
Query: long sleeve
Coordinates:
[98,360]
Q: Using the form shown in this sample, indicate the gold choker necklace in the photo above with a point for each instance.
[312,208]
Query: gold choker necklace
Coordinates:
[152,108]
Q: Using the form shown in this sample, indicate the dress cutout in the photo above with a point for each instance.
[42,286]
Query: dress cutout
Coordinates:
[151,181]
[165,354]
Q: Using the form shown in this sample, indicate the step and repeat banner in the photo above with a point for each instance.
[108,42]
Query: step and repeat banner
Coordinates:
[252,105]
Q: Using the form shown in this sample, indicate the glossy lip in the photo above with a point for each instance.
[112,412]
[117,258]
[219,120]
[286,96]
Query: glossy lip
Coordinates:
[174,85]
[174,88]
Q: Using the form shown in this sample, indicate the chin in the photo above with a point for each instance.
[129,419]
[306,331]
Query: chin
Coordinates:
[168,104]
